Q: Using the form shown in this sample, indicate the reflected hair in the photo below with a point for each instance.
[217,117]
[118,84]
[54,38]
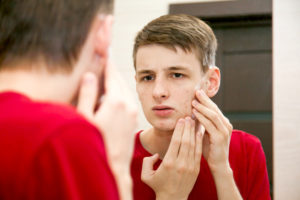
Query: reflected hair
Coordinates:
[184,31]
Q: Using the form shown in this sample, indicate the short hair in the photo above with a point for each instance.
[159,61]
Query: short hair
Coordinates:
[52,31]
[185,31]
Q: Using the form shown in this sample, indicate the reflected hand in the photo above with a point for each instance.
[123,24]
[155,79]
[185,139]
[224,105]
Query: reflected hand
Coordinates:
[177,174]
[216,139]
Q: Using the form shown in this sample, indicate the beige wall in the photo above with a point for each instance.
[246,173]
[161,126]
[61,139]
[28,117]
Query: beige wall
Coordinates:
[286,97]
[130,17]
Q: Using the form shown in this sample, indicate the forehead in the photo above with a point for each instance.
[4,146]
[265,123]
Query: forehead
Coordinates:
[157,57]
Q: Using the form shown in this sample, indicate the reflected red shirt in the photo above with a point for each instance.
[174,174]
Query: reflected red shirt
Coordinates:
[49,151]
[247,160]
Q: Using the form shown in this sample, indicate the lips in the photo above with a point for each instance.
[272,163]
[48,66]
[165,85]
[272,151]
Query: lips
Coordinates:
[162,110]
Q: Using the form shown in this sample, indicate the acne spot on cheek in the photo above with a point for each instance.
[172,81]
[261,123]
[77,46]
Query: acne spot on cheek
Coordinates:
[189,96]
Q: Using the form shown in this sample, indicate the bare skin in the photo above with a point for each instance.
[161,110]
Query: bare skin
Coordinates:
[169,83]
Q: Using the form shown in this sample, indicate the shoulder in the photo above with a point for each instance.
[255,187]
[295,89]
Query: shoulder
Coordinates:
[19,109]
[76,149]
[66,125]
[38,123]
[245,149]
[73,143]
[241,139]
[248,162]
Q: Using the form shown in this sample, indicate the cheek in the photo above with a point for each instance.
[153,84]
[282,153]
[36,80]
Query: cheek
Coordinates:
[187,101]
[142,94]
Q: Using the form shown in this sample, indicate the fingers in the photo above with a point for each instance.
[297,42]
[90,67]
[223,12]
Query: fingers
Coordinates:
[192,142]
[211,115]
[185,142]
[147,168]
[198,147]
[207,102]
[209,126]
[173,149]
[117,88]
[88,95]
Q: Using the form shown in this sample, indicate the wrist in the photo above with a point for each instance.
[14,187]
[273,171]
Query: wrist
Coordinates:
[164,196]
[122,173]
[124,184]
[225,184]
[222,173]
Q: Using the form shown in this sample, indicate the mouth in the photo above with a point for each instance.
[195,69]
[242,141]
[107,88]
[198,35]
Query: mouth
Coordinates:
[162,110]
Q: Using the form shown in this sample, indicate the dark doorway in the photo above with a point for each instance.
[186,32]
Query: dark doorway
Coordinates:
[244,33]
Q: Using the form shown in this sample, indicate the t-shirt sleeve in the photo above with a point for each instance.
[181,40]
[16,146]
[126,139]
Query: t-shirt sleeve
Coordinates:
[258,181]
[72,164]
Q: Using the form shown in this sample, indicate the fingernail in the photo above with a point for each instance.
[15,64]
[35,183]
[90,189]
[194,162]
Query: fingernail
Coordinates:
[180,120]
[199,134]
[187,118]
[194,102]
[193,122]
[89,78]
[193,117]
[202,92]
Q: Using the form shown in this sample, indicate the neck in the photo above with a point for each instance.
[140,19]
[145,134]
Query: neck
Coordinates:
[156,141]
[40,85]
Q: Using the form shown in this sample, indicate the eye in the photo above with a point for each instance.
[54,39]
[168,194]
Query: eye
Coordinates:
[177,75]
[147,78]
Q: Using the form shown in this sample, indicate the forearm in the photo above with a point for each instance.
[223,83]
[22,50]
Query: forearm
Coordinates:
[124,183]
[225,185]
[123,179]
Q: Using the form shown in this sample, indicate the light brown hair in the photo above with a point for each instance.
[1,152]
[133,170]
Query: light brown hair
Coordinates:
[187,32]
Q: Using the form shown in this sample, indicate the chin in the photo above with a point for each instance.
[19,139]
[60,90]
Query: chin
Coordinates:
[164,125]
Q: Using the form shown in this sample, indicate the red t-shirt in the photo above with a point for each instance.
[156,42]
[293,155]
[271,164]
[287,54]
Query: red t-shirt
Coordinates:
[247,161]
[49,151]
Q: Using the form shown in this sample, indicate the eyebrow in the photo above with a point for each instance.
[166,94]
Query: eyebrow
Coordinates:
[177,68]
[171,68]
[145,71]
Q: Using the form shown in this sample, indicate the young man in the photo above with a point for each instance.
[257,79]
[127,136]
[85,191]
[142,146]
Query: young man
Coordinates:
[174,58]
[51,53]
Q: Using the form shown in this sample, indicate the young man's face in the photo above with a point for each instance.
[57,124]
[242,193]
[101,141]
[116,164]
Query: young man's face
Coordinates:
[166,82]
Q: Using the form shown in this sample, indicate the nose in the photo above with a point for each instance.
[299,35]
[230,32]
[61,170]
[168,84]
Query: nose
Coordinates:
[160,90]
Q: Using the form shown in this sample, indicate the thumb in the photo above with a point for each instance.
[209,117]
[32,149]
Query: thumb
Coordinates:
[147,169]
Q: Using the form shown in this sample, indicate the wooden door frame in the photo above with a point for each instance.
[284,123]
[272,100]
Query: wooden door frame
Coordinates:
[224,8]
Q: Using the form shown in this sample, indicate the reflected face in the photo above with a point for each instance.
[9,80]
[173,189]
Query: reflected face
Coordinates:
[166,82]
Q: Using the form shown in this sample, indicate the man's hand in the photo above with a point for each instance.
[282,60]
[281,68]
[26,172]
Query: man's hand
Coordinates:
[216,142]
[116,118]
[177,174]
[218,131]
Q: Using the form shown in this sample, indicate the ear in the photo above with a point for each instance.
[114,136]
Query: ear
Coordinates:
[103,34]
[213,80]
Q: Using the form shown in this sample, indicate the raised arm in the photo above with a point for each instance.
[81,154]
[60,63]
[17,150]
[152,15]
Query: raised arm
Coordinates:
[116,119]
[216,145]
